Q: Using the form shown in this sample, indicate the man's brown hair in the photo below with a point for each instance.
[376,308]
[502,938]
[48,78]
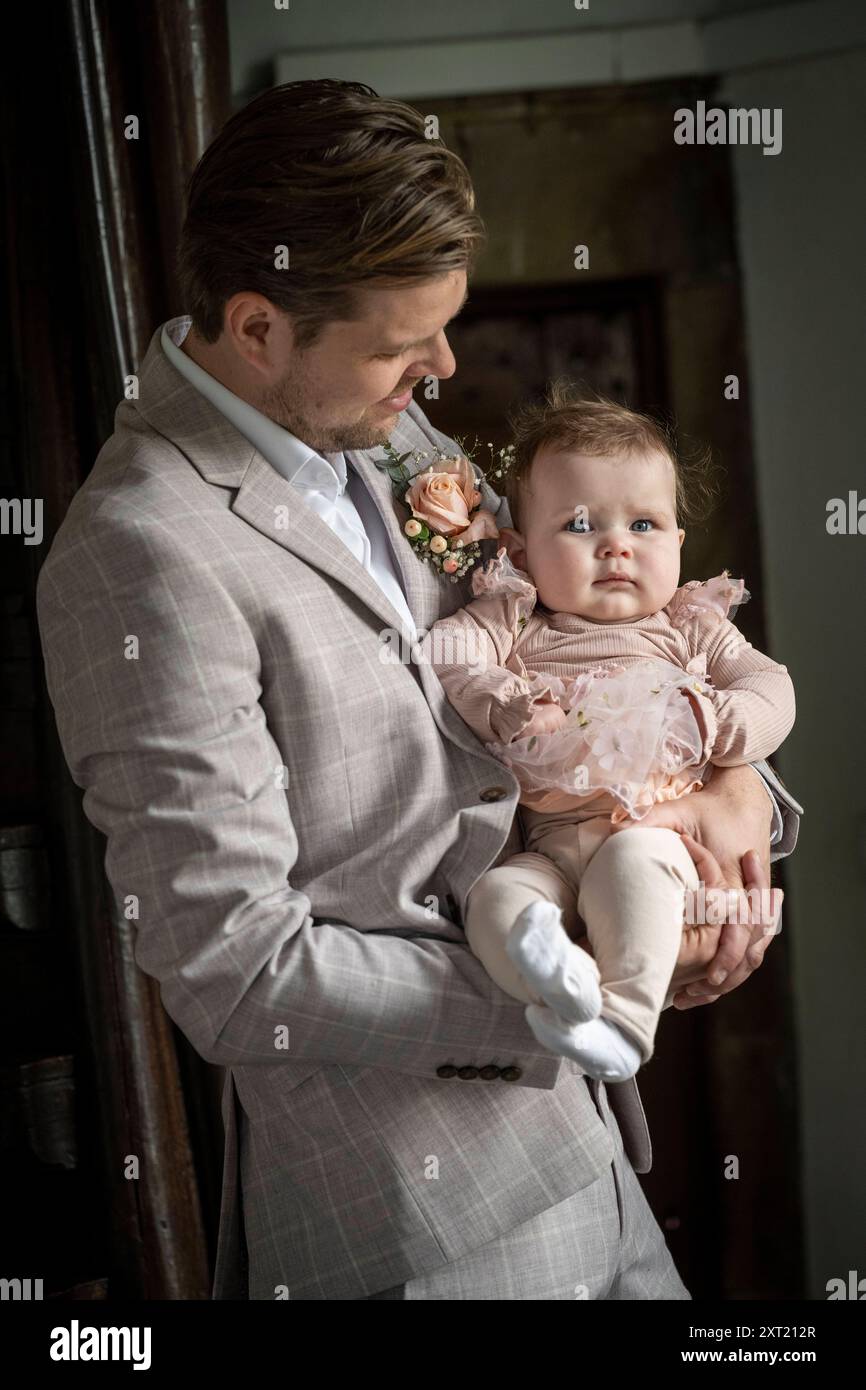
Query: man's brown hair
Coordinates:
[346,180]
[574,418]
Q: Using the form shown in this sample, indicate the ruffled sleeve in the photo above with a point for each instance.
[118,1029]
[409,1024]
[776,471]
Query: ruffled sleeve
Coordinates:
[473,652]
[699,609]
[711,601]
[744,701]
[511,585]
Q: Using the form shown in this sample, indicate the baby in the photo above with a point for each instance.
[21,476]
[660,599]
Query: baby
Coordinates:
[606,687]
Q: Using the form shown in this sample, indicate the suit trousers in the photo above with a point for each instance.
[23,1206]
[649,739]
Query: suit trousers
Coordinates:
[603,1242]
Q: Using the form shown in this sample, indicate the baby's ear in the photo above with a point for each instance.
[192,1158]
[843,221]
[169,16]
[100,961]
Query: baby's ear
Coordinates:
[514,547]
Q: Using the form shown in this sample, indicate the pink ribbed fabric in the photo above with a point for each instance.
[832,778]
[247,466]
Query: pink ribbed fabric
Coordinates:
[494,658]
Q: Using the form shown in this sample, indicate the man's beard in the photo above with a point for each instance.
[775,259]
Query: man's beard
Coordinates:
[284,404]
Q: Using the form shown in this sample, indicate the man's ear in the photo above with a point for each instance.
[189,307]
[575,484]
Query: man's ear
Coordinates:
[514,546]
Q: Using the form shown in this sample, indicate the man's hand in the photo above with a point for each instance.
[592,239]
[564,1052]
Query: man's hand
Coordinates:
[726,829]
[713,960]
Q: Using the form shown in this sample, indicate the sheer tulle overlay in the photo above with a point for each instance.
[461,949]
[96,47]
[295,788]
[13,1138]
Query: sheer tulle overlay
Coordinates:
[629,731]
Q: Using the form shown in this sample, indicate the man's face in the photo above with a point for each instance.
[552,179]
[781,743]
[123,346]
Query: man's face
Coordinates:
[586,518]
[347,389]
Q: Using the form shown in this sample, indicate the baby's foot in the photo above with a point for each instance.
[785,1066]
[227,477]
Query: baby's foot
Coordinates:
[599,1047]
[565,976]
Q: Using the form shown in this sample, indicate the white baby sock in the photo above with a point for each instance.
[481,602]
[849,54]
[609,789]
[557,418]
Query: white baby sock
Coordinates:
[600,1047]
[563,974]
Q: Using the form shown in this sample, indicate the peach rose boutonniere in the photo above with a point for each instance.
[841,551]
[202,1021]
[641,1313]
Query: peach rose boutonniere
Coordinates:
[447,520]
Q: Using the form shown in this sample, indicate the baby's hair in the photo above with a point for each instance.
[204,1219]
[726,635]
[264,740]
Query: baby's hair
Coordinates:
[574,417]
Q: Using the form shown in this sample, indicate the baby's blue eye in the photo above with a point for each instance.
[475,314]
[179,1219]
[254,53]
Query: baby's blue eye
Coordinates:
[643,519]
[576,523]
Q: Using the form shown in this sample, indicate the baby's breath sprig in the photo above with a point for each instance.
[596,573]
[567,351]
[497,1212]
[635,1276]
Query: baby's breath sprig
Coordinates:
[501,460]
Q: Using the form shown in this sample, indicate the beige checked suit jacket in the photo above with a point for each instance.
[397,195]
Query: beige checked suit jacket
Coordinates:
[300,821]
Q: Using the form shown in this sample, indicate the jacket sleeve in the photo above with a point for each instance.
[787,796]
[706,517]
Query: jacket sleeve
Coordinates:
[472,653]
[751,711]
[153,673]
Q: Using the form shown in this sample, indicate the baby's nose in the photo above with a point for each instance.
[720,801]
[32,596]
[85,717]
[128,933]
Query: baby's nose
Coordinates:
[617,545]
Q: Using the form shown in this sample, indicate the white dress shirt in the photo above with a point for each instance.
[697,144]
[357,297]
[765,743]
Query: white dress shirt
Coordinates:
[338,495]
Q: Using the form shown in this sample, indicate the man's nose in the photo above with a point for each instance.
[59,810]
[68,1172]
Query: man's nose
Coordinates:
[440,363]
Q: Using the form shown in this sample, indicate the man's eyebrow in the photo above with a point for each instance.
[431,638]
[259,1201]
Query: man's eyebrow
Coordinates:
[415,343]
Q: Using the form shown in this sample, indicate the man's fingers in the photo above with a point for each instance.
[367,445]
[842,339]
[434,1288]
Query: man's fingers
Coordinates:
[767,920]
[721,903]
[709,870]
[747,916]
[757,951]
[689,1001]
[736,899]
[755,935]
[749,964]
[734,941]
[767,927]
[756,873]
[773,924]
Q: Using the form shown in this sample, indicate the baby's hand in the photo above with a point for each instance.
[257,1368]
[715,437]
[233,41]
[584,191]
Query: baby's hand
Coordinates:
[546,719]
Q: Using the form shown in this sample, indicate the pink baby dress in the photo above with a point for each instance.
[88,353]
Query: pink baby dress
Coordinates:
[630,730]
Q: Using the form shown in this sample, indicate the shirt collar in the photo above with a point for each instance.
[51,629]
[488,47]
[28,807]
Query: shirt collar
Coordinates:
[301,465]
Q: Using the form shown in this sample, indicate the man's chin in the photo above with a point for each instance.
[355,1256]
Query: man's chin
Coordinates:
[367,434]
[371,430]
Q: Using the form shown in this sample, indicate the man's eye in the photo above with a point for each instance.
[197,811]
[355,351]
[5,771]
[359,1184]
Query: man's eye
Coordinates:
[390,354]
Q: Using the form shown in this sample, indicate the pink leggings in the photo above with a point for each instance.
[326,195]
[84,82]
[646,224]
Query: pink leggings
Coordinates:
[629,889]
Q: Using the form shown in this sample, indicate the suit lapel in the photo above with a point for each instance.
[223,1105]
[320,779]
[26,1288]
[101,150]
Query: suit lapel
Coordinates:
[267,501]
[420,583]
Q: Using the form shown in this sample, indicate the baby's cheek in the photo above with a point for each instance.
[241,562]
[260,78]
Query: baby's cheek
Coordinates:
[560,559]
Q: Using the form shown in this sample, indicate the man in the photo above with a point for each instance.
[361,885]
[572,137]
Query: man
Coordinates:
[299,821]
